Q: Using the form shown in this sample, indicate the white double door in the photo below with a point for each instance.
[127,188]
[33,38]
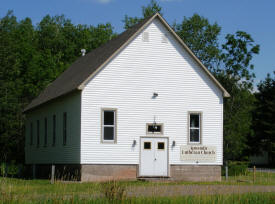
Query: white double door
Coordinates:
[153,157]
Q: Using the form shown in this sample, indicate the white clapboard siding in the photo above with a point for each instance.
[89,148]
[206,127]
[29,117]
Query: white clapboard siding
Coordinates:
[59,154]
[127,83]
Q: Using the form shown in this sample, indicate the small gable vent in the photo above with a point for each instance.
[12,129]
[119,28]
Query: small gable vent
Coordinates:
[145,37]
[164,38]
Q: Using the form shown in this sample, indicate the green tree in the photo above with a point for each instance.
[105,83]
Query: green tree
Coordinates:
[264,119]
[16,51]
[31,58]
[235,74]
[202,38]
[237,55]
[147,11]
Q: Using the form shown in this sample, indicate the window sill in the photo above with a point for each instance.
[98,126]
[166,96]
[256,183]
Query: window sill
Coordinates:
[108,142]
[194,143]
[152,134]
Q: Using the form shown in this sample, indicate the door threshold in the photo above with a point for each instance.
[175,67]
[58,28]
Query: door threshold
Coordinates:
[154,178]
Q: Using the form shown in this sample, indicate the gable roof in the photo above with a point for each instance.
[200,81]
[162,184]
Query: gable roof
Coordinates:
[83,69]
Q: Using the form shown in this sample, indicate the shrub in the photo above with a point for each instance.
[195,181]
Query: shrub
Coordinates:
[12,169]
[3,169]
[236,168]
[114,190]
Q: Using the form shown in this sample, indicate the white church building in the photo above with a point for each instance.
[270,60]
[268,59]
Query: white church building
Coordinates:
[141,105]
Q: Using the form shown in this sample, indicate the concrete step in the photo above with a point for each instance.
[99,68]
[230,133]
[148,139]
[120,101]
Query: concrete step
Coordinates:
[155,179]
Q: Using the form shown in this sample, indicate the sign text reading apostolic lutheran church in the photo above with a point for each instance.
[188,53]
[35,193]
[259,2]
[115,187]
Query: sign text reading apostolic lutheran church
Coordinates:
[198,153]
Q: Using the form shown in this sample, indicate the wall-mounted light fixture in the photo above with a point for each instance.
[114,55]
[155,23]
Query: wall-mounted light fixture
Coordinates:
[155,95]
[134,143]
[174,143]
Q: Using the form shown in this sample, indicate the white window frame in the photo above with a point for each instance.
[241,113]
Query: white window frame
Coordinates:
[114,110]
[195,128]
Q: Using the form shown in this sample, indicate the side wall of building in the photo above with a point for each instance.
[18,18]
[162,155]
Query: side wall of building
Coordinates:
[128,82]
[57,153]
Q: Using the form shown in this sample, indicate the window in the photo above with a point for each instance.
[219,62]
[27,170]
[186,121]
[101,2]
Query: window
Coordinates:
[145,37]
[147,145]
[31,133]
[161,145]
[194,127]
[45,132]
[109,125]
[54,129]
[152,128]
[38,131]
[64,128]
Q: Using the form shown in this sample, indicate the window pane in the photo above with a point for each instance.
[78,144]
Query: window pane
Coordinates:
[64,128]
[194,120]
[38,131]
[194,135]
[154,128]
[109,117]
[160,145]
[31,134]
[108,133]
[54,129]
[147,145]
[46,131]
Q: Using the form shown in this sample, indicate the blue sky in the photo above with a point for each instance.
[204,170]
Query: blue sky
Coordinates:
[253,16]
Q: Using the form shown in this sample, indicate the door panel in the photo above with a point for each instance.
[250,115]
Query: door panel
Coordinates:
[161,157]
[154,157]
[147,156]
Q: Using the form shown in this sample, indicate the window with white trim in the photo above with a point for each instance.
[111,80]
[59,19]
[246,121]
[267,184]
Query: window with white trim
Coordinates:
[108,125]
[194,127]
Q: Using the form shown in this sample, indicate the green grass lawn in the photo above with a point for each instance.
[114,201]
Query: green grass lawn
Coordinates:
[41,191]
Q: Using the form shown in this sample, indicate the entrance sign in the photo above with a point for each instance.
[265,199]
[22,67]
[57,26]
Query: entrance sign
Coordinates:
[198,153]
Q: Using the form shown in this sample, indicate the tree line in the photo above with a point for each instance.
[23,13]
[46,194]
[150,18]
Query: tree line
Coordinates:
[32,56]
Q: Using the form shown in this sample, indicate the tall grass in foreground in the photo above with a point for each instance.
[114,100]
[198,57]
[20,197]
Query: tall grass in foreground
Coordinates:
[41,191]
[250,198]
